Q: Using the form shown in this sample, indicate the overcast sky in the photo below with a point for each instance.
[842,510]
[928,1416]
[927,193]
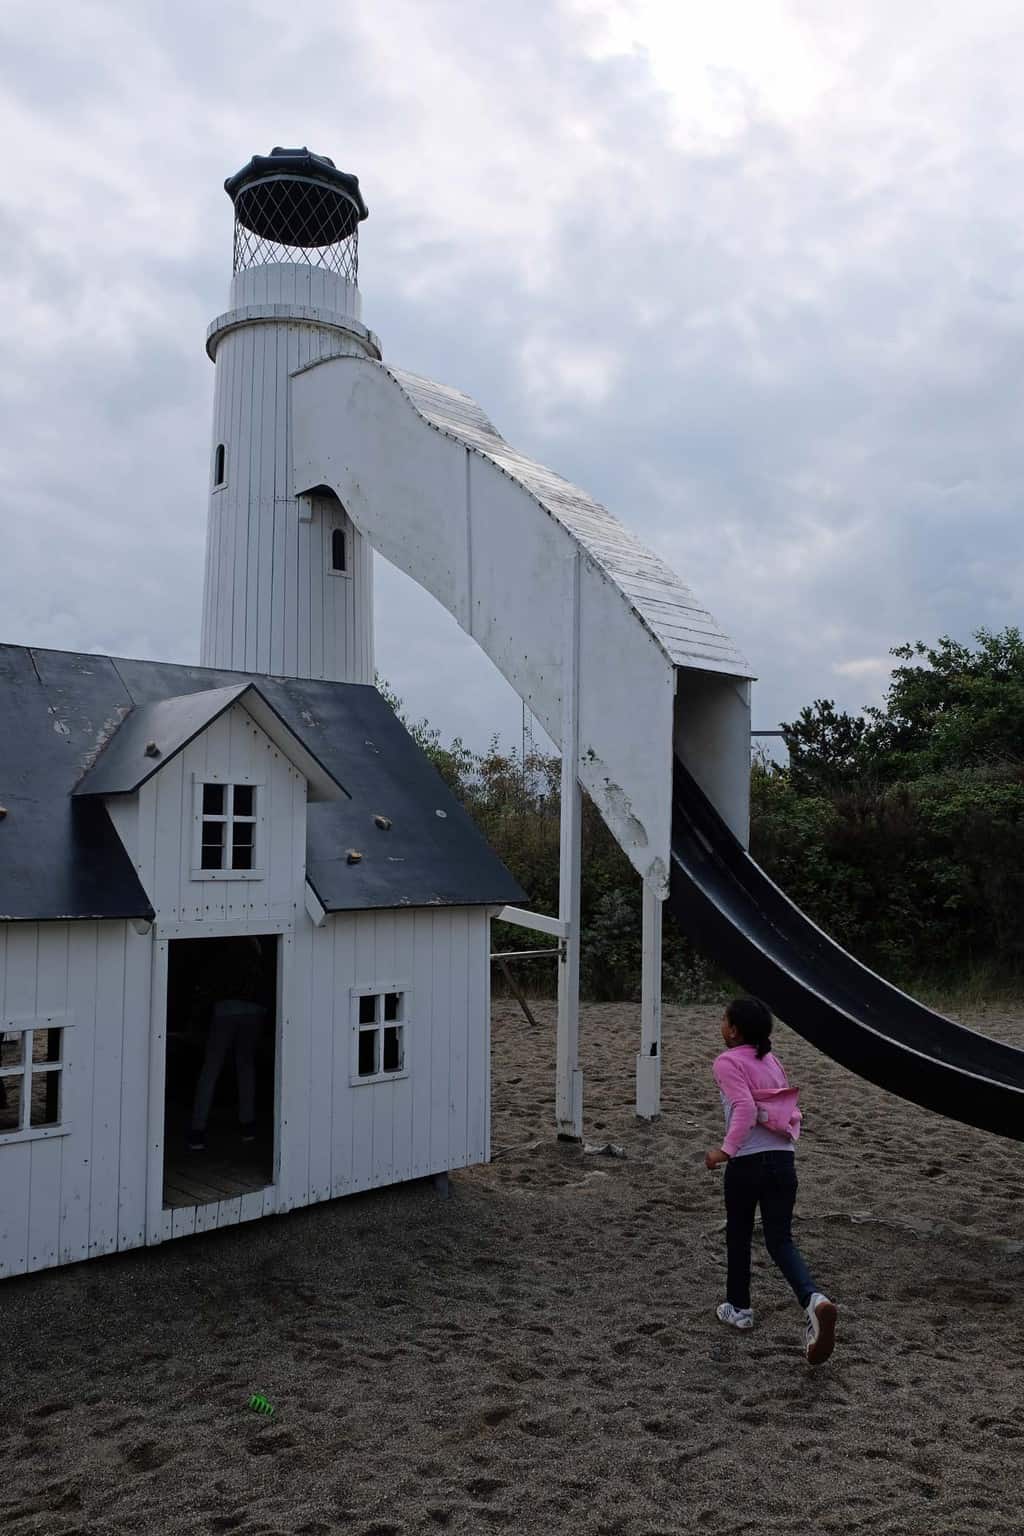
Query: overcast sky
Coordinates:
[752,273]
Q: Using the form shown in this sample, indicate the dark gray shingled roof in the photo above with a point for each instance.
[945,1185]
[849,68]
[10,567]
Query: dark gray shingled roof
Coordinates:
[61,858]
[152,734]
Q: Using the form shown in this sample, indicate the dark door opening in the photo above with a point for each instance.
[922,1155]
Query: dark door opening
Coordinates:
[220,1096]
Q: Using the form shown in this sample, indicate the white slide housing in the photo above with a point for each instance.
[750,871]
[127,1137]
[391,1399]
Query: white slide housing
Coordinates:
[547,582]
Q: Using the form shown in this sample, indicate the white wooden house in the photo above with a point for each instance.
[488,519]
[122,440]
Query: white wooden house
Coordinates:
[153,811]
[150,812]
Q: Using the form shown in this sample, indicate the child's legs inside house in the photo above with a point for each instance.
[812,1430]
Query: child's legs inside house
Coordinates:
[777,1199]
[218,1042]
[246,1040]
[741,1192]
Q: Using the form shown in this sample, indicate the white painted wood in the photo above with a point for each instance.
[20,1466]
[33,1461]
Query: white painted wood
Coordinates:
[431,485]
[103,1147]
[183,1221]
[18,1000]
[95,1184]
[129,1229]
[323,991]
[46,1153]
[270,602]
[568,1076]
[315,910]
[459,1075]
[712,736]
[157,1077]
[648,1061]
[535,920]
[164,829]
[339,936]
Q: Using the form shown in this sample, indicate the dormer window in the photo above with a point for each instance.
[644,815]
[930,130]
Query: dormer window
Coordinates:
[339,553]
[226,825]
[219,466]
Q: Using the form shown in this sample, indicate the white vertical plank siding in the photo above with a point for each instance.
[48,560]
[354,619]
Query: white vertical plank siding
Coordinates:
[135,1060]
[108,1075]
[76,1172]
[322,991]
[58,1191]
[383,1096]
[19,999]
[478,1038]
[235,750]
[158,1222]
[458,1085]
[264,599]
[99,1186]
[402,942]
[302,1064]
[45,1160]
[362,1096]
[340,935]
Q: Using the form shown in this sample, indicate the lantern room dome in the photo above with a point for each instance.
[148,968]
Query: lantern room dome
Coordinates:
[295,198]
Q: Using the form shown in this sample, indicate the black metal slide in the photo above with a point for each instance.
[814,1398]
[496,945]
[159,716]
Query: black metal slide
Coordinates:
[728,907]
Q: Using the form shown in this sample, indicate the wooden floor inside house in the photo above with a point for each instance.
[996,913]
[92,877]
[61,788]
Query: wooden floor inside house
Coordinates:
[227,1168]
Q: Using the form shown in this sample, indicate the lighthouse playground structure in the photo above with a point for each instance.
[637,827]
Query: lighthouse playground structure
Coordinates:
[644,693]
[255,844]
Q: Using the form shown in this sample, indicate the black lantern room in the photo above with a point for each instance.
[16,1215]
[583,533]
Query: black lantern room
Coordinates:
[292,205]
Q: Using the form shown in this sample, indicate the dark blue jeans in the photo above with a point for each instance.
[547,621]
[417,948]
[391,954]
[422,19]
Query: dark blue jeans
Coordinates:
[768,1180]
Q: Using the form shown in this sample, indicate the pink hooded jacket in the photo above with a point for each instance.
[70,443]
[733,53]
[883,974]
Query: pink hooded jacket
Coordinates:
[759,1094]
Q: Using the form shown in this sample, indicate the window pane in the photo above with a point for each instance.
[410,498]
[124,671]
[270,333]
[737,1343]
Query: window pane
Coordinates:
[368,1052]
[213,799]
[46,1098]
[213,851]
[218,465]
[392,1006]
[11,1049]
[367,1009]
[244,800]
[242,838]
[10,1104]
[338,550]
[46,1045]
[394,1049]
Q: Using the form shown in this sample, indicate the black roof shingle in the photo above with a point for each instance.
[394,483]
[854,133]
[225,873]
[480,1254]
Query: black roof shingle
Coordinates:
[61,858]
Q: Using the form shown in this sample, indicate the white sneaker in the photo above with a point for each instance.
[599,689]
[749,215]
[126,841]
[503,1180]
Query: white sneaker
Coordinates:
[821,1328]
[736,1317]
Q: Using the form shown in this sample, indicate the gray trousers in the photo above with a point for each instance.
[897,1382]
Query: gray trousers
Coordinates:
[229,1030]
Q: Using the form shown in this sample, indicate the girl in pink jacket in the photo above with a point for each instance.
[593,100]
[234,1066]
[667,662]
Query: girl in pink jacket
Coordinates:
[762,1123]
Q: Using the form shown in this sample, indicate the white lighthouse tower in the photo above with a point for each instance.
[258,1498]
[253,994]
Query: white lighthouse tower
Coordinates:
[289,579]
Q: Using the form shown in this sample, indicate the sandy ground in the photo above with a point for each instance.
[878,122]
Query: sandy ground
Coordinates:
[540,1352]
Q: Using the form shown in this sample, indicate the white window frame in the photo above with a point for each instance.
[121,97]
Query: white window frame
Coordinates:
[219,485]
[379,990]
[334,526]
[27,1070]
[257,820]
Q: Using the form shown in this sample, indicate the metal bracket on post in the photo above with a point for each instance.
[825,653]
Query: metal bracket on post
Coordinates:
[648,1061]
[568,1077]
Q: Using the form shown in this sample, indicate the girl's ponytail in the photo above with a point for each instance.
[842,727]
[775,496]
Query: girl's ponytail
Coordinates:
[750,1017]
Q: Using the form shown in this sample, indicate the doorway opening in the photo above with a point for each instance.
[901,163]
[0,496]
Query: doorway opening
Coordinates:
[220,1096]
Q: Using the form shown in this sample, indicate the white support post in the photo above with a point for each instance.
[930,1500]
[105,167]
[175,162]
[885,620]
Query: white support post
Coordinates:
[568,1077]
[155,1131]
[648,1062]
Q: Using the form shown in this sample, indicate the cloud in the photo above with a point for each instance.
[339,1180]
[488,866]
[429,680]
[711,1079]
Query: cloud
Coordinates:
[750,275]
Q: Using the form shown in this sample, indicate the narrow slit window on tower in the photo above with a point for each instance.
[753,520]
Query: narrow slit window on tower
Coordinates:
[219,465]
[339,565]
